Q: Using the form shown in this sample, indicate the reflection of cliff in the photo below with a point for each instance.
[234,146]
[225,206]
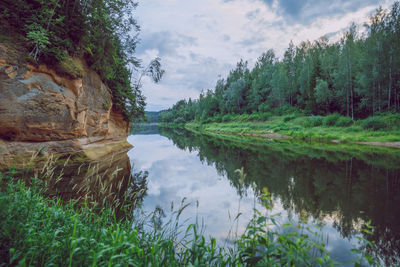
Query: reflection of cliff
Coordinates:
[337,184]
[104,183]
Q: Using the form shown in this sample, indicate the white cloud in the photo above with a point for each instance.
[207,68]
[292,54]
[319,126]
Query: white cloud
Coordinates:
[200,40]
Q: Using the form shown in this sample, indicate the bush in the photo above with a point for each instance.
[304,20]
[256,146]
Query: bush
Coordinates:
[212,119]
[392,121]
[217,118]
[313,121]
[243,117]
[227,118]
[331,119]
[285,110]
[344,121]
[254,117]
[374,123]
[265,116]
[289,117]
[264,107]
[71,67]
[179,120]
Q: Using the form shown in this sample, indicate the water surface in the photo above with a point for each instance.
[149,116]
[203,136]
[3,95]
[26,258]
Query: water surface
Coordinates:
[341,186]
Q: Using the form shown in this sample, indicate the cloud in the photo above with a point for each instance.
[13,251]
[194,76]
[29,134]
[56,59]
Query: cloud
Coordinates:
[165,42]
[306,11]
[253,14]
[197,42]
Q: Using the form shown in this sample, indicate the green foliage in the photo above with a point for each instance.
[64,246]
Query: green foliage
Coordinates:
[392,120]
[179,120]
[358,76]
[103,33]
[374,123]
[344,121]
[38,37]
[313,121]
[331,119]
[227,118]
[289,117]
[71,67]
[255,117]
[38,231]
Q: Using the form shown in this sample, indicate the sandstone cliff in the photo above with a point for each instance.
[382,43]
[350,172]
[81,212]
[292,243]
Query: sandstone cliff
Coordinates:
[40,109]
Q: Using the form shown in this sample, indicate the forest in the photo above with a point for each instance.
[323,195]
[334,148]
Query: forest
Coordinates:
[357,76]
[102,32]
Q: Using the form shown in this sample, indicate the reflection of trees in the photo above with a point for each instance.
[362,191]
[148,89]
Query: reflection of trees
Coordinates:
[144,128]
[348,188]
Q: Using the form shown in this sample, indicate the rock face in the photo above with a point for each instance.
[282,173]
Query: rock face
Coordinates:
[41,108]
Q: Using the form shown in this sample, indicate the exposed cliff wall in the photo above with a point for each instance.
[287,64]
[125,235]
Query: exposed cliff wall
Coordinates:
[40,108]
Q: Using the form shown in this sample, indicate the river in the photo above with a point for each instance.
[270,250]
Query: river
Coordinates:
[340,187]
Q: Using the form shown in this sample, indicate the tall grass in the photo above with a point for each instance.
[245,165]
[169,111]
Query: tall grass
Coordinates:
[38,231]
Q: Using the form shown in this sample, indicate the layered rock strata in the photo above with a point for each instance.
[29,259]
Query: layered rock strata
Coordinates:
[40,109]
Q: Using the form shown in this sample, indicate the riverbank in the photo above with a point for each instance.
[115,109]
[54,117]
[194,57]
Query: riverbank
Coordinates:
[19,154]
[375,131]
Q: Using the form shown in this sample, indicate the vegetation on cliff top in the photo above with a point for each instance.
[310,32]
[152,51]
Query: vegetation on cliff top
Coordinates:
[358,76]
[103,32]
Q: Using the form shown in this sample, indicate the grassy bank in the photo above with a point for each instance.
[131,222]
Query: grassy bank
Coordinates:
[37,231]
[337,128]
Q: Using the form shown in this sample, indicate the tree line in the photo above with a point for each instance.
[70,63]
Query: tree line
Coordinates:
[358,76]
[102,32]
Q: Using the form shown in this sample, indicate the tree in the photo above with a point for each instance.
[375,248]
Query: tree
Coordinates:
[323,94]
[357,76]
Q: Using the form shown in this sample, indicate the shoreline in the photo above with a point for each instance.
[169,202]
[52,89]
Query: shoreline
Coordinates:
[19,154]
[217,128]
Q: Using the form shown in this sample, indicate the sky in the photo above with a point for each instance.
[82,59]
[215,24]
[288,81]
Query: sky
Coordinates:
[200,41]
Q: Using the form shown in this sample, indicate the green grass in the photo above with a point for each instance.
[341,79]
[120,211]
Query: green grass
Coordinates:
[37,231]
[383,128]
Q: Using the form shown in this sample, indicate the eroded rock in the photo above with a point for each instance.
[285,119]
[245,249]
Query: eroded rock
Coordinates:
[39,107]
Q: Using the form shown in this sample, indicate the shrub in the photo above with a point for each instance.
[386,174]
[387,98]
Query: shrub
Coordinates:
[392,121]
[227,117]
[265,116]
[373,123]
[243,117]
[289,117]
[216,118]
[313,121]
[254,117]
[331,119]
[179,120]
[344,121]
[264,107]
[71,67]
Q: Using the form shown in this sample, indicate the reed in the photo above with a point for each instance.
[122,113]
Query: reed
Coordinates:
[36,230]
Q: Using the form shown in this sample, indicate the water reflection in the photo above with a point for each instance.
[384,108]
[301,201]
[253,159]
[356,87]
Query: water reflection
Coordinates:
[340,187]
[344,186]
[175,174]
[100,184]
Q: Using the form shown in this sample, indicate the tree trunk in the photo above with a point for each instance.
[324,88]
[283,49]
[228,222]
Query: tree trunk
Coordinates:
[390,81]
[379,96]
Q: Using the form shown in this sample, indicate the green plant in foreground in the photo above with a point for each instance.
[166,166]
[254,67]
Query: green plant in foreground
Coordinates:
[37,231]
[263,245]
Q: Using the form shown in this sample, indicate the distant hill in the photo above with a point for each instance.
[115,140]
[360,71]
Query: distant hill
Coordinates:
[152,116]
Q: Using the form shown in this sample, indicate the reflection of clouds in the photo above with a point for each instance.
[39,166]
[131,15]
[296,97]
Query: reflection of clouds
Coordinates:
[175,174]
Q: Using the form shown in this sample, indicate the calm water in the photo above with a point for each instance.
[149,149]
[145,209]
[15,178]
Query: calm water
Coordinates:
[342,186]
